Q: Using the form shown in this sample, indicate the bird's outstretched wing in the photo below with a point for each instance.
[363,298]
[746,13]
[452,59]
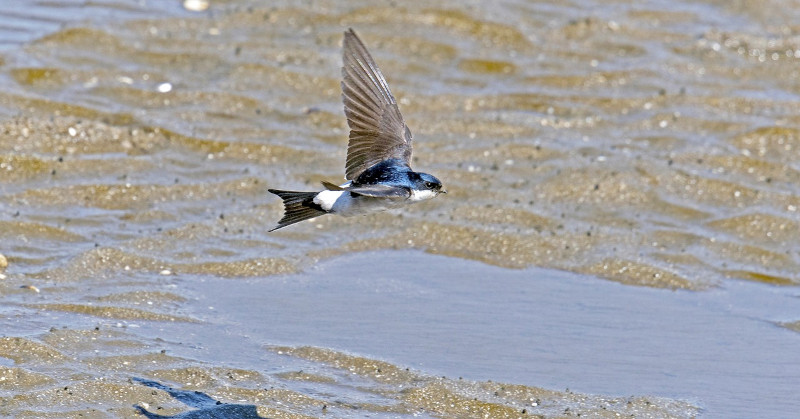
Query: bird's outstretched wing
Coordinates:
[377,130]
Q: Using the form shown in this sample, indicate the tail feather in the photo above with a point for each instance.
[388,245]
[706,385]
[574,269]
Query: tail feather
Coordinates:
[298,206]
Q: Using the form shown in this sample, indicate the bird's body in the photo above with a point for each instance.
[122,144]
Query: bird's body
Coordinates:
[349,204]
[378,154]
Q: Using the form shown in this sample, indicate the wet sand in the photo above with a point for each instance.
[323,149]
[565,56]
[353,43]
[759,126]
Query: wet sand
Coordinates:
[653,145]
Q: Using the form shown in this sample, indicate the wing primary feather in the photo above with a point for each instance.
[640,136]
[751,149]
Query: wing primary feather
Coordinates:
[361,90]
[370,69]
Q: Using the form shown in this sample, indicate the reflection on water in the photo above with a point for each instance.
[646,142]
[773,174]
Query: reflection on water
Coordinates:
[652,144]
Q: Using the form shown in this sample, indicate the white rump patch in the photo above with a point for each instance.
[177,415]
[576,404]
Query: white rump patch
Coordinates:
[421,195]
[326,199]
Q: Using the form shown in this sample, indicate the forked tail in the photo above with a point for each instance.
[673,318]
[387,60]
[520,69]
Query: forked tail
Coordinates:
[298,206]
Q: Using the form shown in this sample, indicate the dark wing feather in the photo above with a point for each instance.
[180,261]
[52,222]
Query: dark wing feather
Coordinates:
[380,191]
[377,130]
[331,187]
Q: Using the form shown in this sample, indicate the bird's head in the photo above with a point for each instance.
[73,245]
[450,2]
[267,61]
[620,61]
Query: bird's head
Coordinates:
[426,187]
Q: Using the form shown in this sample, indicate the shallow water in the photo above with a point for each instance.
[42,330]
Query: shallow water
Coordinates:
[651,144]
[533,327]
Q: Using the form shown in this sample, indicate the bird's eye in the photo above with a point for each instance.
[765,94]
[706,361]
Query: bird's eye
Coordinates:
[429,185]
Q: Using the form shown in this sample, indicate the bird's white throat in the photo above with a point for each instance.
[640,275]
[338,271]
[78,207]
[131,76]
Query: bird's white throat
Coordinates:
[421,195]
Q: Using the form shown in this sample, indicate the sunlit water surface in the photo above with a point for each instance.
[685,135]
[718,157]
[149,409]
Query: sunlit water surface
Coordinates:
[650,144]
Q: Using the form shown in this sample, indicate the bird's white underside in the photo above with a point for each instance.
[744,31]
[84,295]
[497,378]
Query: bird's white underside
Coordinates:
[327,199]
[342,203]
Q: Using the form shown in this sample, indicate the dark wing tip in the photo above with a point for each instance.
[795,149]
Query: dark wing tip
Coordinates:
[350,34]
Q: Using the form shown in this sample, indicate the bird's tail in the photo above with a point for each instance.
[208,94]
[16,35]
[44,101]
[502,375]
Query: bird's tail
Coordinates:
[298,206]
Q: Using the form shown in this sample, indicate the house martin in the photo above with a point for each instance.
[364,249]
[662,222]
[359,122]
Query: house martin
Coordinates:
[378,161]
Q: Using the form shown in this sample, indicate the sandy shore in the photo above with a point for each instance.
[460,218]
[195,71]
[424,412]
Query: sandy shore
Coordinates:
[651,145]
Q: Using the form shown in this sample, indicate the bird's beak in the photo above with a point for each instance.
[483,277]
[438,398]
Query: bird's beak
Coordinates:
[443,191]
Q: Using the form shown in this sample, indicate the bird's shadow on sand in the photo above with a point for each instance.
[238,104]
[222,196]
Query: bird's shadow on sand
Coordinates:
[204,406]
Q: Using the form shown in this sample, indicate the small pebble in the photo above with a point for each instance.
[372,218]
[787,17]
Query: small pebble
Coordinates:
[3,263]
[164,87]
[195,5]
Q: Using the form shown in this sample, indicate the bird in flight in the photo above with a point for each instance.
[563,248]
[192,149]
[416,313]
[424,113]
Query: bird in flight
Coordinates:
[377,169]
